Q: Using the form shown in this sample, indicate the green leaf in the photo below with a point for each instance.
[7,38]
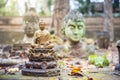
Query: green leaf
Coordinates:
[92,58]
[100,61]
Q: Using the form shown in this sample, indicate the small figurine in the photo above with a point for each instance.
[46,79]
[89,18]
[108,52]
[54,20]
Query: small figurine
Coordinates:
[42,34]
[42,37]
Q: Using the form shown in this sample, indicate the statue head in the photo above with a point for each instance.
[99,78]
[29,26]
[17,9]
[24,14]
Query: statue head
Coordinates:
[30,19]
[30,29]
[42,25]
[73,26]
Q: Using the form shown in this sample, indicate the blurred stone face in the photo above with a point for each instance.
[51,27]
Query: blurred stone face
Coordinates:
[42,26]
[30,29]
[74,30]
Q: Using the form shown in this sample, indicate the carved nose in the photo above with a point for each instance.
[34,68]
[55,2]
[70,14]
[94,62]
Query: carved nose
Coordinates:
[75,31]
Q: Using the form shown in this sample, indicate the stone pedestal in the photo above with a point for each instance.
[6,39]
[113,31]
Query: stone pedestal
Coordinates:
[42,62]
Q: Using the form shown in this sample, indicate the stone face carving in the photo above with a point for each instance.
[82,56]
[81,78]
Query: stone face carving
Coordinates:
[73,26]
[30,29]
[30,20]
[74,30]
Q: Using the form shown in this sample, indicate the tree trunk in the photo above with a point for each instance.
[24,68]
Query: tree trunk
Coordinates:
[108,18]
[61,8]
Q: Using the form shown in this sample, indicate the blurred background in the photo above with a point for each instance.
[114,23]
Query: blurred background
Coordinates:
[97,13]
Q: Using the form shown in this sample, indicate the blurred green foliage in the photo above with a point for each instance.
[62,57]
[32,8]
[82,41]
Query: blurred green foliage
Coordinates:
[100,61]
[88,8]
[83,6]
[43,12]
[10,10]
[9,7]
[2,6]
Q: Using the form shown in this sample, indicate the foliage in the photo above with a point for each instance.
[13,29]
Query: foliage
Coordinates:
[100,61]
[46,12]
[8,10]
[12,10]
[115,5]
[91,58]
[42,13]
[3,3]
[83,6]
[49,4]
[8,7]
[2,6]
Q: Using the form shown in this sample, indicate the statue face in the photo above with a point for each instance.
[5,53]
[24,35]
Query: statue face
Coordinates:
[42,27]
[74,30]
[30,29]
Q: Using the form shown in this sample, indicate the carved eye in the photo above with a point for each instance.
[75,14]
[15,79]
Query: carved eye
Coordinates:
[71,26]
[80,26]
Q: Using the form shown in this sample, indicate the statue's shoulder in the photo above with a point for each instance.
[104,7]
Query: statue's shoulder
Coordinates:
[38,31]
[46,31]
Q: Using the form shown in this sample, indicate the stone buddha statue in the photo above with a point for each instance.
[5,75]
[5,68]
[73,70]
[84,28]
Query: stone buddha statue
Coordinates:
[73,26]
[74,29]
[30,20]
[42,37]
[42,59]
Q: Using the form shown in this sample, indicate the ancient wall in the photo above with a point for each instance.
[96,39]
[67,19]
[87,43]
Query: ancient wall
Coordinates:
[12,29]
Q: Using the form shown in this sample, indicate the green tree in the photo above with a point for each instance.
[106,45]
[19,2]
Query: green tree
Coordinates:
[49,4]
[3,3]
[2,6]
[83,6]
[8,10]
[45,7]
[11,10]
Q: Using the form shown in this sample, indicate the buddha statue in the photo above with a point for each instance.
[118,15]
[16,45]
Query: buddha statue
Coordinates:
[73,26]
[30,20]
[42,37]
[74,29]
[42,60]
